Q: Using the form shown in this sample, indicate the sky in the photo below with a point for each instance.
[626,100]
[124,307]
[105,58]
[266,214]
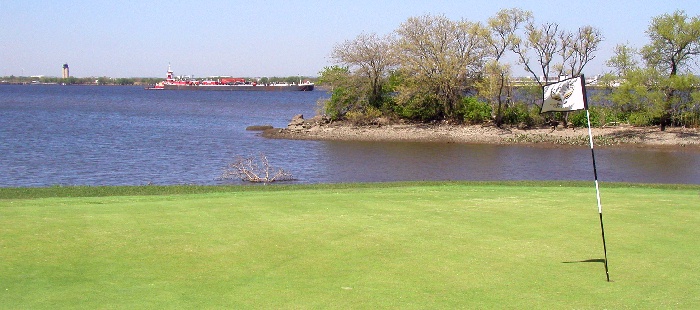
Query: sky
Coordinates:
[261,38]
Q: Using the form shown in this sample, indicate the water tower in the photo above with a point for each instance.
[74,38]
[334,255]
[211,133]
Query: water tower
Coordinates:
[65,71]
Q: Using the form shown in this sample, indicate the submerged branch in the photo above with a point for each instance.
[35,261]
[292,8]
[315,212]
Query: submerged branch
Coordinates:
[257,170]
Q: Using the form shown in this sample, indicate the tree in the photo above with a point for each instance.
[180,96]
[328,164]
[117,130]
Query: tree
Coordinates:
[546,42]
[581,48]
[346,92]
[557,52]
[495,85]
[675,41]
[623,60]
[437,58]
[103,80]
[368,56]
[503,27]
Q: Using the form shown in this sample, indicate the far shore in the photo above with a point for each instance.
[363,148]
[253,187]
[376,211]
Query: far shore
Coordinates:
[621,135]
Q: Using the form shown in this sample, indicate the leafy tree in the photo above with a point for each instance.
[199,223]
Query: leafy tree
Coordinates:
[503,27]
[345,92]
[292,79]
[103,80]
[623,60]
[124,81]
[368,57]
[438,58]
[635,94]
[675,41]
[474,111]
[333,76]
[495,85]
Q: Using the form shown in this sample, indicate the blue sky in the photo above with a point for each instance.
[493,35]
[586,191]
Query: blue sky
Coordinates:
[259,38]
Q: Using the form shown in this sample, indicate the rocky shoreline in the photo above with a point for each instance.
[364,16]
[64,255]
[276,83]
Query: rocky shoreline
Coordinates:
[623,135]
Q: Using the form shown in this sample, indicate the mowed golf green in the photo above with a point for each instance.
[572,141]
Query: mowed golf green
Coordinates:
[351,246]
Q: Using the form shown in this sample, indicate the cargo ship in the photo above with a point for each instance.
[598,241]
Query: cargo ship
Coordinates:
[226,84]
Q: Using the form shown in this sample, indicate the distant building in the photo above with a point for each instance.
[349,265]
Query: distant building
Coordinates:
[66,74]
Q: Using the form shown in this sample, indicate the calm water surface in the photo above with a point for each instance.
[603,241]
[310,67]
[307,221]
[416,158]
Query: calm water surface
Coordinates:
[95,135]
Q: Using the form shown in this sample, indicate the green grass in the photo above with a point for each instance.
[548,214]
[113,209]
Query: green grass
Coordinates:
[519,245]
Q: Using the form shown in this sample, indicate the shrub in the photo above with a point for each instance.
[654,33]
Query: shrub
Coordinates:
[534,116]
[690,119]
[474,111]
[341,101]
[611,115]
[579,119]
[420,107]
[640,118]
[518,113]
[366,117]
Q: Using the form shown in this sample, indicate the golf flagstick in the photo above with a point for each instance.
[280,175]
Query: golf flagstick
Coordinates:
[570,95]
[597,192]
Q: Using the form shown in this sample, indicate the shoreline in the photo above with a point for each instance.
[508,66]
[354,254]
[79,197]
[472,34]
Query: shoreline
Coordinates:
[623,135]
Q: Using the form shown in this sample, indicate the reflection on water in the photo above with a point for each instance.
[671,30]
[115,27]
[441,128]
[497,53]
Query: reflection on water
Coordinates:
[372,161]
[649,165]
[127,136]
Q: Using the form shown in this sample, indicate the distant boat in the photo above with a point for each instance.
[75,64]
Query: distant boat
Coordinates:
[226,84]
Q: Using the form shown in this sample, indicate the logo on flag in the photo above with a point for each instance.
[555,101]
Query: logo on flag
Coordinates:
[566,95]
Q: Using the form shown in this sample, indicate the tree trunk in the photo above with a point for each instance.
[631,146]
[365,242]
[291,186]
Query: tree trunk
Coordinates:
[666,116]
[499,112]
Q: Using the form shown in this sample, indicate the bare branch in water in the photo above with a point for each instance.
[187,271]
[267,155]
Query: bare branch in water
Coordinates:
[257,170]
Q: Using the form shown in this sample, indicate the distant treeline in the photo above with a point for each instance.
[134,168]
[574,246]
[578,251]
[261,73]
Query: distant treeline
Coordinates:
[80,81]
[125,81]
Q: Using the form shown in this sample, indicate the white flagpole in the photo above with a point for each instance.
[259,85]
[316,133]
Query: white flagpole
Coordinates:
[597,191]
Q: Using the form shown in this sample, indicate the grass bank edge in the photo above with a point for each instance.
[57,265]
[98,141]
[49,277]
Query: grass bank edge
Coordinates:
[153,190]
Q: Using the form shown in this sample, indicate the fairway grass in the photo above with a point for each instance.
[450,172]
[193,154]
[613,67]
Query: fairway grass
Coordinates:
[434,245]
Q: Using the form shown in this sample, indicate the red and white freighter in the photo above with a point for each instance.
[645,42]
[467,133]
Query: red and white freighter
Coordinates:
[226,84]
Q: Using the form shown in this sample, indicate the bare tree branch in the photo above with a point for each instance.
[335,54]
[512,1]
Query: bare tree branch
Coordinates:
[257,170]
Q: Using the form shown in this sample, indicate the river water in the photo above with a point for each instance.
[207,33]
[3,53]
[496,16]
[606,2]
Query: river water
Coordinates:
[109,135]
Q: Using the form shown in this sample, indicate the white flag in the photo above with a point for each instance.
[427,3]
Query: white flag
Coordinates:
[566,95]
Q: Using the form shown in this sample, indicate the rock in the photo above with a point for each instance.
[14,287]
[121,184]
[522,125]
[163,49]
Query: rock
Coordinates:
[320,120]
[259,127]
[297,122]
[297,119]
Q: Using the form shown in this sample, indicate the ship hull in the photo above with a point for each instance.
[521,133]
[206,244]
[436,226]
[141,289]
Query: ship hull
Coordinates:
[300,87]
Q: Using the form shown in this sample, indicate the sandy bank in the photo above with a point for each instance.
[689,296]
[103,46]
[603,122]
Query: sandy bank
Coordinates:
[608,136]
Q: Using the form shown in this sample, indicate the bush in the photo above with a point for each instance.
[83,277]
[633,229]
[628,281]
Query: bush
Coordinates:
[579,119]
[421,107]
[341,101]
[517,114]
[474,111]
[611,115]
[369,116]
[640,119]
[535,117]
[690,119]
